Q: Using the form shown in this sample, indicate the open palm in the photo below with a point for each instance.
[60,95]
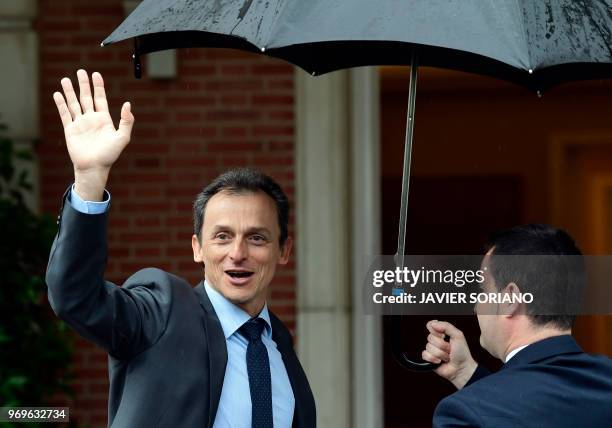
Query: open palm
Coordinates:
[91,137]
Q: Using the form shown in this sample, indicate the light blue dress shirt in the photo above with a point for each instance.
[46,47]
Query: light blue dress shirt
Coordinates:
[235,404]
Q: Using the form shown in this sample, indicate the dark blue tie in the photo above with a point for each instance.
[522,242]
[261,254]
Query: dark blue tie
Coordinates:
[258,367]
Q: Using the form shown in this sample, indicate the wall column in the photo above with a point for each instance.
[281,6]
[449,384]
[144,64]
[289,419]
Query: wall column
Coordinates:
[322,223]
[337,189]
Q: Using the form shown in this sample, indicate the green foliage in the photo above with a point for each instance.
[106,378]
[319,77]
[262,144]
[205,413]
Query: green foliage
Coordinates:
[35,346]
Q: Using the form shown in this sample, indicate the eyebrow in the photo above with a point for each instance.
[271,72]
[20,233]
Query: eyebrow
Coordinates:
[249,231]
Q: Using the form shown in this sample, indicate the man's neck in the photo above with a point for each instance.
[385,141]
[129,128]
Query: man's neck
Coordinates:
[532,336]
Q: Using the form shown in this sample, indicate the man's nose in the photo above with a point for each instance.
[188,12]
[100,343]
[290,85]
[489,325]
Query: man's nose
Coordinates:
[239,250]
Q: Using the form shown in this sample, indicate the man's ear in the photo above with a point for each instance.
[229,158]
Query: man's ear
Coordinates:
[197,249]
[286,251]
[513,292]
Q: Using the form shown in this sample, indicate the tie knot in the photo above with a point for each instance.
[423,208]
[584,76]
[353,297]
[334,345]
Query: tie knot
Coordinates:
[252,328]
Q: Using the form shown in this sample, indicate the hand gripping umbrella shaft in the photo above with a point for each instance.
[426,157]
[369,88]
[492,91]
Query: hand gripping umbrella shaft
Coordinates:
[400,356]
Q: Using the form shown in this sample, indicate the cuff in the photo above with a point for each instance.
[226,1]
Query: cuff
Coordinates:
[88,207]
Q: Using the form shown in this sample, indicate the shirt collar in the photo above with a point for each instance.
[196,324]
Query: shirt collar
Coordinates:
[231,316]
[514,352]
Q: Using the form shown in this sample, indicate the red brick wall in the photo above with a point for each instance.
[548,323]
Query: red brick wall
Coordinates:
[224,109]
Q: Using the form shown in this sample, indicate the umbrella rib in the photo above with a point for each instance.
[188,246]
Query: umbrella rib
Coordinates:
[521,9]
[274,24]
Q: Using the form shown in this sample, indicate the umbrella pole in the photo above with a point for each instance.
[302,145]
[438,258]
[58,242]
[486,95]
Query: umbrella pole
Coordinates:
[401,237]
[396,334]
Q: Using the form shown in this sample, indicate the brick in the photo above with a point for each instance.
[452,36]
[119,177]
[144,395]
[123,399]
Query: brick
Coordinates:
[284,115]
[190,131]
[140,207]
[234,85]
[197,70]
[234,70]
[147,252]
[233,115]
[188,116]
[272,69]
[190,162]
[63,26]
[185,251]
[57,56]
[272,130]
[279,84]
[272,99]
[147,163]
[88,41]
[226,54]
[179,221]
[234,131]
[148,222]
[101,56]
[223,147]
[189,101]
[234,100]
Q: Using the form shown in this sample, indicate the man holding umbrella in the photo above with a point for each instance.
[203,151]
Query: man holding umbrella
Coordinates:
[546,379]
[209,356]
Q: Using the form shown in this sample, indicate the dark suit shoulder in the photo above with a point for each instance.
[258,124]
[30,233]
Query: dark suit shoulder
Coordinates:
[457,411]
[154,295]
[551,392]
[156,278]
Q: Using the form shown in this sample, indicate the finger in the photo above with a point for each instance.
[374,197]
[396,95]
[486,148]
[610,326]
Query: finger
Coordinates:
[71,99]
[85,91]
[62,108]
[447,328]
[430,358]
[127,120]
[439,342]
[99,92]
[437,352]
[433,331]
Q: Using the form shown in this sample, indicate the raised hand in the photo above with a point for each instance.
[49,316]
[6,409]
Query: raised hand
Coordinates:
[457,364]
[94,144]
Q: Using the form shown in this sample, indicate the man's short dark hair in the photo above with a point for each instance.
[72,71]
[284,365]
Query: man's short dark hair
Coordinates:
[240,180]
[556,281]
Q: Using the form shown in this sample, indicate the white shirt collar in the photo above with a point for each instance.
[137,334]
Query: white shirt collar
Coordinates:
[514,352]
[231,316]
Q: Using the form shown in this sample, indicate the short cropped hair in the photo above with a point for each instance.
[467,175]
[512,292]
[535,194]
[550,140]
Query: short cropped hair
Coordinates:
[555,281]
[237,181]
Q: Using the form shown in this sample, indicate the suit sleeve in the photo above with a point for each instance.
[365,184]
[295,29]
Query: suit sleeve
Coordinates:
[123,320]
[453,412]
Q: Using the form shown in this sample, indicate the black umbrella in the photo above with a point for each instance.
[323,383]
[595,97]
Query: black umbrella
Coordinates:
[534,43]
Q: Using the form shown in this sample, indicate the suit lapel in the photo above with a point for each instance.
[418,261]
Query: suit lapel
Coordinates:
[304,414]
[217,351]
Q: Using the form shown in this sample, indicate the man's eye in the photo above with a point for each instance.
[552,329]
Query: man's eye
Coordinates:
[222,236]
[258,239]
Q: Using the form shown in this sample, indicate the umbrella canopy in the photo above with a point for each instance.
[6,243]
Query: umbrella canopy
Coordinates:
[535,43]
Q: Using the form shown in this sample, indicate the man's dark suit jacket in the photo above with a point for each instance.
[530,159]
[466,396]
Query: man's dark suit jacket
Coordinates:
[167,351]
[551,383]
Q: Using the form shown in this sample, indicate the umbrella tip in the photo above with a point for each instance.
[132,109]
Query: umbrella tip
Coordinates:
[102,44]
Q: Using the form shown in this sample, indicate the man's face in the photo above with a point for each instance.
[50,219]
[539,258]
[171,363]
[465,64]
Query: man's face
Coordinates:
[490,324]
[240,247]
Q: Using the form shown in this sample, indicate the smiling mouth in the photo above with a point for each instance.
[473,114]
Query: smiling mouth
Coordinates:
[239,273]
